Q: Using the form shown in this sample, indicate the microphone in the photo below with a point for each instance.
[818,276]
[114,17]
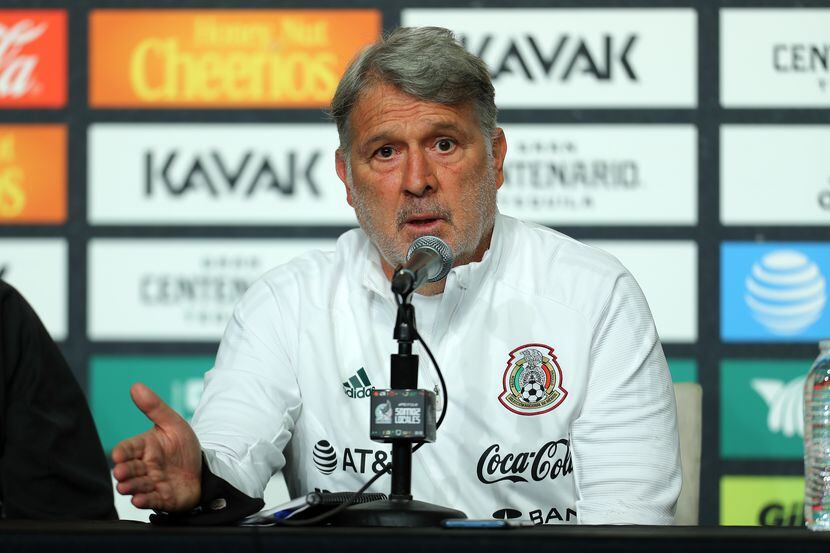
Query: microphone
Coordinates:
[429,259]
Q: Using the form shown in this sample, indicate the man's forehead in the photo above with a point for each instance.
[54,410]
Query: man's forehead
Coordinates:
[384,108]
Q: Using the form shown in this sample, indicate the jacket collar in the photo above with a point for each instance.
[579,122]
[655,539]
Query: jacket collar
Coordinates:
[466,276]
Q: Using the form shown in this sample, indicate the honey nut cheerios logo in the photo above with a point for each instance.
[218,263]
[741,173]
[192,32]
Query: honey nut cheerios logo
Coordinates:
[532,381]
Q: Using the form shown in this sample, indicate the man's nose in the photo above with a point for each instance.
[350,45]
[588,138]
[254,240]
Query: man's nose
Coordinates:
[418,177]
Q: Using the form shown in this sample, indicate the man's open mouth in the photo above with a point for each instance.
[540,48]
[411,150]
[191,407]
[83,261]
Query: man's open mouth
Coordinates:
[424,221]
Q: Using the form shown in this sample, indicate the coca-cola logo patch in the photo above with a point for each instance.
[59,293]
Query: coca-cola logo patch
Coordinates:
[532,381]
[33,58]
[551,461]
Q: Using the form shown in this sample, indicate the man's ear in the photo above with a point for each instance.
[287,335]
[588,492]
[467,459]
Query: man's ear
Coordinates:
[342,173]
[499,153]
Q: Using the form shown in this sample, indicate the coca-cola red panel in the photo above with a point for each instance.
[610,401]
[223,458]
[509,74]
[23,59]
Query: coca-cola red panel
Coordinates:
[33,58]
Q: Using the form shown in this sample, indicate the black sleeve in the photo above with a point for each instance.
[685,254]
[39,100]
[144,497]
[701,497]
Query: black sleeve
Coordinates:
[221,503]
[52,465]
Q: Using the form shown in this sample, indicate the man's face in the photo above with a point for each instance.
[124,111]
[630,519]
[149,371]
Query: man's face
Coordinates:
[421,168]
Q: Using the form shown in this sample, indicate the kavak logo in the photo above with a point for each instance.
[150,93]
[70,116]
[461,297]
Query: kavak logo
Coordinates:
[32,174]
[177,289]
[532,381]
[775,57]
[785,401]
[573,57]
[775,291]
[358,386]
[601,174]
[32,58]
[199,174]
[223,58]
[354,459]
[551,461]
[205,174]
[795,154]
[761,408]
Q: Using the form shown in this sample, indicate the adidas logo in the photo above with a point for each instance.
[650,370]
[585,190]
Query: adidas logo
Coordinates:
[785,403]
[359,385]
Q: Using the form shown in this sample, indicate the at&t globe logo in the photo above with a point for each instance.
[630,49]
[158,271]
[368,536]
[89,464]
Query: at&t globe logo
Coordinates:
[786,292]
[325,458]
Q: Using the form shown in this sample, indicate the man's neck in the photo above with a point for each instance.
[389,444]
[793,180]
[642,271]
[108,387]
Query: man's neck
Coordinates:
[433,288]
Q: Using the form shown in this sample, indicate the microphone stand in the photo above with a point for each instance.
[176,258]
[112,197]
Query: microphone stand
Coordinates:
[400,510]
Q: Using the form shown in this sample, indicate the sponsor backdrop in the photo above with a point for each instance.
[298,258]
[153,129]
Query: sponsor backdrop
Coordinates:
[157,157]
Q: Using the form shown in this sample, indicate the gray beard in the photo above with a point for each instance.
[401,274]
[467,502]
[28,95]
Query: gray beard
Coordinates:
[463,246]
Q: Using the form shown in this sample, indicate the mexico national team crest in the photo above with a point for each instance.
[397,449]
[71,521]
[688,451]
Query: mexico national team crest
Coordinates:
[532,381]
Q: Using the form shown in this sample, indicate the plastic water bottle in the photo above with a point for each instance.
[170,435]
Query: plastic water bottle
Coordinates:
[817,442]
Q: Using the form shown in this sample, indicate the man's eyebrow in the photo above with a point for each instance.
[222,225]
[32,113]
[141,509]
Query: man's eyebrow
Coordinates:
[437,126]
[447,126]
[380,137]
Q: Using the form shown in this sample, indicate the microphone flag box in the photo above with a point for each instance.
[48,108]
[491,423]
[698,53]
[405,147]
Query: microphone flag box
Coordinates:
[402,415]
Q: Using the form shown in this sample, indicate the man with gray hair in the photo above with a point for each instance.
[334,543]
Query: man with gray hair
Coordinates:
[562,408]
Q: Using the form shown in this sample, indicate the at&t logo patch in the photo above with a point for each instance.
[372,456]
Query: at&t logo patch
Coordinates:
[786,291]
[532,381]
[774,291]
[325,458]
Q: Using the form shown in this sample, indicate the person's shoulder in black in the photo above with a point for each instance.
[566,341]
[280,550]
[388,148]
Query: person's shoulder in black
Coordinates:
[52,465]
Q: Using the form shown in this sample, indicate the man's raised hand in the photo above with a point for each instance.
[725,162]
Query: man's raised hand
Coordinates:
[161,468]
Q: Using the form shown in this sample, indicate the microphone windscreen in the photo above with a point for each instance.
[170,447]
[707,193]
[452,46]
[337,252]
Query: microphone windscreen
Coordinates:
[440,247]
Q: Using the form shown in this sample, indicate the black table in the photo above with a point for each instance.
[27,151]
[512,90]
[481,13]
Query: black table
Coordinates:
[127,537]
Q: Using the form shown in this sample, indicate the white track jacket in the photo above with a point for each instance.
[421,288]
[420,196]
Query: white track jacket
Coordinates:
[561,407]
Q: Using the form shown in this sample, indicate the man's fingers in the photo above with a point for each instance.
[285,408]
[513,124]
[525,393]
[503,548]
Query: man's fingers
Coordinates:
[130,469]
[148,501]
[132,448]
[152,406]
[136,486]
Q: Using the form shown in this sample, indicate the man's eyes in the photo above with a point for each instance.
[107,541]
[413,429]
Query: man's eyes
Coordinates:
[443,145]
[385,151]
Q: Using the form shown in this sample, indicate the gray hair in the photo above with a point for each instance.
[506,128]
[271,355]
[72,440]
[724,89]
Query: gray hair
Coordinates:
[425,62]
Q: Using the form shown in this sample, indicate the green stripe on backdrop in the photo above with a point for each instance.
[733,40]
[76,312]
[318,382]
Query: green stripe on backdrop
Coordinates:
[761,408]
[683,370]
[176,379]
